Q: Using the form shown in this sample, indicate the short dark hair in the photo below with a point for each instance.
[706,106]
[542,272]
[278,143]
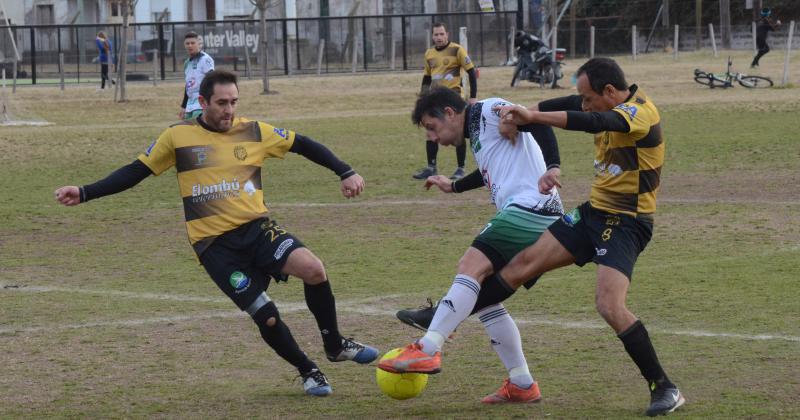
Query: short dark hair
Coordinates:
[433,103]
[191,34]
[439,24]
[216,77]
[601,72]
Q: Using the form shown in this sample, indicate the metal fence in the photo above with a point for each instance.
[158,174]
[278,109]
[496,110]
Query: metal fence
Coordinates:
[322,45]
[294,46]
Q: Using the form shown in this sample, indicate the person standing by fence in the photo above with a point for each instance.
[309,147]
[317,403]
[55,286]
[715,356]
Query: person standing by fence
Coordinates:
[197,64]
[443,64]
[106,53]
[763,27]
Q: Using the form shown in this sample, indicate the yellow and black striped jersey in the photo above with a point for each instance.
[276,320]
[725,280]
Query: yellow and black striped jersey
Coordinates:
[628,165]
[445,65]
[219,174]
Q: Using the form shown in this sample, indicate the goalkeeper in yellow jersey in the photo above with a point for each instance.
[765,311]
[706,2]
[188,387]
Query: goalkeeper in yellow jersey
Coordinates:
[444,63]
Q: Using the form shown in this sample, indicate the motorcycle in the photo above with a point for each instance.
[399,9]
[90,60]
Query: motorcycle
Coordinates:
[535,63]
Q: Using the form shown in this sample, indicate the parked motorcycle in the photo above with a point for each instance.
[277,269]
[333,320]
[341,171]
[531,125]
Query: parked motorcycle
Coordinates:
[535,61]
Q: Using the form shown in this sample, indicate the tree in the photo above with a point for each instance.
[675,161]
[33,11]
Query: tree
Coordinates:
[126,8]
[262,5]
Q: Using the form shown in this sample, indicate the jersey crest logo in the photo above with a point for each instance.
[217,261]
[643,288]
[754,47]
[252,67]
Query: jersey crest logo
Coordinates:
[446,62]
[628,109]
[240,152]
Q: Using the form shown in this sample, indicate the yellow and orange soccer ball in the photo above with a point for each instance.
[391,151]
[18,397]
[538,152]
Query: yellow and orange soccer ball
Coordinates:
[400,386]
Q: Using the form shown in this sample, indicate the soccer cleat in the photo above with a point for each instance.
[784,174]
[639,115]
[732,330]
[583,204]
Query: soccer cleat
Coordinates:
[510,393]
[664,400]
[425,172]
[355,351]
[418,318]
[458,174]
[413,360]
[315,383]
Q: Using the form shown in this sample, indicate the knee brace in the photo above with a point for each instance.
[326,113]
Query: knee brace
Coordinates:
[262,309]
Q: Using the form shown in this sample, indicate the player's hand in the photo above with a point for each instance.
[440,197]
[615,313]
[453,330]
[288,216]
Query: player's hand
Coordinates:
[515,114]
[69,195]
[444,183]
[550,179]
[508,130]
[352,186]
[778,22]
[181,113]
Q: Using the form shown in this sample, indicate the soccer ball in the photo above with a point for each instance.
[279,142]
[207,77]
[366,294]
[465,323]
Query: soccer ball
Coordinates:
[400,386]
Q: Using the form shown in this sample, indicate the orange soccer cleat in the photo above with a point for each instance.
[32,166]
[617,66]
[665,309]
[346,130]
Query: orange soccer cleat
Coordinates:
[413,360]
[510,393]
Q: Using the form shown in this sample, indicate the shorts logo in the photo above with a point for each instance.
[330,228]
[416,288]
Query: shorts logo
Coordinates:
[601,251]
[488,225]
[240,152]
[283,247]
[239,281]
[572,217]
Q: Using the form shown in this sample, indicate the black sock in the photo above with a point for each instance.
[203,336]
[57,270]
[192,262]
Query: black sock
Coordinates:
[640,348]
[493,290]
[280,339]
[461,155]
[320,301]
[431,149]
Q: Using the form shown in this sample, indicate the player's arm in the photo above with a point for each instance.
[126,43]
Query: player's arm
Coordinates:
[469,182]
[352,183]
[426,83]
[473,85]
[564,103]
[183,103]
[595,122]
[546,139]
[120,180]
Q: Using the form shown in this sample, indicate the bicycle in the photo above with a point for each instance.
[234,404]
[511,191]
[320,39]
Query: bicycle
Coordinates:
[725,80]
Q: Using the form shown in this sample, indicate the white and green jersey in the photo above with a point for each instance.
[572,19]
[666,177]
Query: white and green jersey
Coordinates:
[511,171]
[194,69]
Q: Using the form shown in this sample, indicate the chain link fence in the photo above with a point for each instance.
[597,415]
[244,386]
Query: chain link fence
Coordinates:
[323,45]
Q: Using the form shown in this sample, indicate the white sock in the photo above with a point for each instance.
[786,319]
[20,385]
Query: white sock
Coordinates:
[453,309]
[506,341]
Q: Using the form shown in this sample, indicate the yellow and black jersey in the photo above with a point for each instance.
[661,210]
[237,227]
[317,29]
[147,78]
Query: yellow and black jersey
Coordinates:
[219,174]
[628,164]
[444,66]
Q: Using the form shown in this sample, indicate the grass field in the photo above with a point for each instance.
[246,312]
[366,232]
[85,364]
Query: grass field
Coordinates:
[104,311]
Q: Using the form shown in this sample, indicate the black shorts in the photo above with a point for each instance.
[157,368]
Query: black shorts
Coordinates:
[613,240]
[242,261]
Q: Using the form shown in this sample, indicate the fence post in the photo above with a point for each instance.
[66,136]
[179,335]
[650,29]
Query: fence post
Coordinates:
[753,32]
[403,32]
[464,41]
[675,43]
[247,70]
[160,51]
[355,53]
[511,51]
[364,41]
[394,52]
[591,41]
[319,55]
[785,79]
[156,60]
[285,48]
[14,83]
[633,42]
[33,57]
[61,69]
[713,38]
